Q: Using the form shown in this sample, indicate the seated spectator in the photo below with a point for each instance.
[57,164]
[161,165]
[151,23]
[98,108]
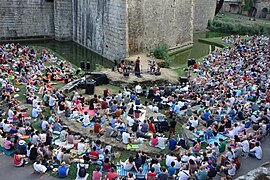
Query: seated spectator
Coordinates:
[151,175]
[163,175]
[8,145]
[63,170]
[154,140]
[202,174]
[93,155]
[126,138]
[172,170]
[173,144]
[106,166]
[19,159]
[82,171]
[183,174]
[111,175]
[97,175]
[129,164]
[222,145]
[39,168]
[256,151]
[140,175]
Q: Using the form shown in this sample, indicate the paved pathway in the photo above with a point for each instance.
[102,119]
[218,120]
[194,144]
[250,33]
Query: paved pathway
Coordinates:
[249,163]
[9,172]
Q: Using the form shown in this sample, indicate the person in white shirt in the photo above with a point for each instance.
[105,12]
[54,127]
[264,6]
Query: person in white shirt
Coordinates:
[256,151]
[52,102]
[86,119]
[10,113]
[130,120]
[35,102]
[183,174]
[126,137]
[138,89]
[81,147]
[38,167]
[44,125]
[169,159]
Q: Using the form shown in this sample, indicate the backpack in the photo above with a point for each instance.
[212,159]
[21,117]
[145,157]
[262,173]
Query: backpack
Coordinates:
[237,162]
[82,171]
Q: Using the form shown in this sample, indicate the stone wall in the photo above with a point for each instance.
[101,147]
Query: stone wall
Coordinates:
[203,12]
[153,21]
[260,5]
[101,26]
[63,20]
[26,18]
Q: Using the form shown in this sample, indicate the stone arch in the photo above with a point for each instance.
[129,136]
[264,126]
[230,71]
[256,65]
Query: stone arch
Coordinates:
[234,8]
[264,13]
[252,12]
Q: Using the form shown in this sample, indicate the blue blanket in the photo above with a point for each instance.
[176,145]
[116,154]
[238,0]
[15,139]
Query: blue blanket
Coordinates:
[122,172]
[211,140]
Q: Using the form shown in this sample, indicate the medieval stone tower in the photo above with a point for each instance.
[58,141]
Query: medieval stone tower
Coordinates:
[113,28]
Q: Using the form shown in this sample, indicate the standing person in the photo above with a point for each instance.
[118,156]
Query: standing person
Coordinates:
[172,127]
[137,65]
[52,103]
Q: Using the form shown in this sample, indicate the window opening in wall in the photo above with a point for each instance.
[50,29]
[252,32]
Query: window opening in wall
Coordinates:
[49,0]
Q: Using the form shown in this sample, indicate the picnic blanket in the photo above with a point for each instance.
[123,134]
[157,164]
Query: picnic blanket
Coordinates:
[8,153]
[211,140]
[122,172]
[132,146]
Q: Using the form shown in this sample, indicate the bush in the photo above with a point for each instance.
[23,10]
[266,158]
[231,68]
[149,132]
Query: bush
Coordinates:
[161,51]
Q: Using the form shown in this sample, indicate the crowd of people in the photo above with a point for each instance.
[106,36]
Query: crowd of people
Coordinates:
[226,103]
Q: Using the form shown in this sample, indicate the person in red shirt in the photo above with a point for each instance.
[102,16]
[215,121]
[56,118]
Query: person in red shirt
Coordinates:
[111,175]
[97,128]
[151,175]
[104,104]
[151,125]
[118,112]
[93,155]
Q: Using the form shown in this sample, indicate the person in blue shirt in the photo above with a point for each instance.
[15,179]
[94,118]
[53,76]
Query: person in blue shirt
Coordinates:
[172,170]
[202,174]
[63,170]
[132,96]
[206,115]
[173,144]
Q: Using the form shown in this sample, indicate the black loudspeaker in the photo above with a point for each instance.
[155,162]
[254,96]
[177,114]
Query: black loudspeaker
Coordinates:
[157,73]
[183,80]
[126,74]
[88,66]
[191,62]
[90,87]
[82,65]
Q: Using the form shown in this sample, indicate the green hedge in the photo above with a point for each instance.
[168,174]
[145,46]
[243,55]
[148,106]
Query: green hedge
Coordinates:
[230,26]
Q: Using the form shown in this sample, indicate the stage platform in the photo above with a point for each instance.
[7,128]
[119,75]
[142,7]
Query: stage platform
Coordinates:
[116,78]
